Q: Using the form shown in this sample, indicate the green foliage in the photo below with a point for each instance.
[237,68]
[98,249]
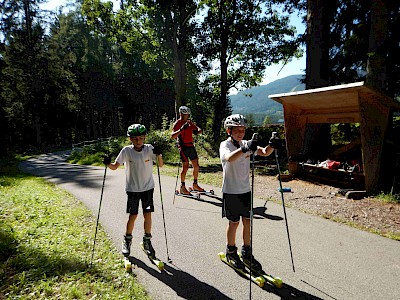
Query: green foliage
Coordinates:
[344,133]
[41,254]
[242,38]
[162,138]
[390,198]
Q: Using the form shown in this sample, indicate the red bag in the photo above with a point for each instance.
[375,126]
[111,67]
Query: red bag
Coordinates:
[333,164]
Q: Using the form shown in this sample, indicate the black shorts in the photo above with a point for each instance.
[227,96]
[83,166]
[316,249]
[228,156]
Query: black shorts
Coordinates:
[188,153]
[133,202]
[236,206]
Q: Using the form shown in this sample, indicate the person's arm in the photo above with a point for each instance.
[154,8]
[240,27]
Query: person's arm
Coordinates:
[176,133]
[160,160]
[114,165]
[234,155]
[196,129]
[107,161]
[274,143]
[267,150]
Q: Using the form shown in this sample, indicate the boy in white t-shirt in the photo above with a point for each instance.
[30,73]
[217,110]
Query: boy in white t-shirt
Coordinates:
[235,158]
[138,161]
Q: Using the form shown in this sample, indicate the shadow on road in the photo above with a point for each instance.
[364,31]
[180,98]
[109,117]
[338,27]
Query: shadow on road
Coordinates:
[288,292]
[184,284]
[259,213]
[55,168]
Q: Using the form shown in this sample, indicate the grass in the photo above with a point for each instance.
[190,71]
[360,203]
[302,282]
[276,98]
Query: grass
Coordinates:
[388,198]
[42,257]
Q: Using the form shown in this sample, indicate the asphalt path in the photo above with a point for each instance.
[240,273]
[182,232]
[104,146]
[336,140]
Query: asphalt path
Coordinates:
[332,261]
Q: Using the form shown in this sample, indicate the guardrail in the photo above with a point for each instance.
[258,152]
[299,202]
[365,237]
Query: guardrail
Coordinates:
[87,143]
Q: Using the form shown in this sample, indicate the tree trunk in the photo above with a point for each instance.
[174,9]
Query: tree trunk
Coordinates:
[320,13]
[179,20]
[377,50]
[377,79]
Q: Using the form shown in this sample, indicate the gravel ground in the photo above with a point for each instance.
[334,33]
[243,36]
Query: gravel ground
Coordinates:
[367,214]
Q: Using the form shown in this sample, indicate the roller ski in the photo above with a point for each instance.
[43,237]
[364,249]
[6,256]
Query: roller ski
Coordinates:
[151,254]
[126,251]
[233,260]
[185,193]
[128,264]
[256,268]
[201,192]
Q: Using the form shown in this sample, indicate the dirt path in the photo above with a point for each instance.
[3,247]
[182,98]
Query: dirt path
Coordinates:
[318,199]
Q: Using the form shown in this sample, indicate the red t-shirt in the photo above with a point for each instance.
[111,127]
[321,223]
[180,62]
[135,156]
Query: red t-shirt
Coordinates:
[186,136]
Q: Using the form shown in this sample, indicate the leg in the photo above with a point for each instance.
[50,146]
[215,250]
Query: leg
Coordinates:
[246,231]
[147,222]
[130,224]
[132,210]
[231,249]
[195,163]
[247,254]
[185,167]
[148,208]
[126,243]
[231,233]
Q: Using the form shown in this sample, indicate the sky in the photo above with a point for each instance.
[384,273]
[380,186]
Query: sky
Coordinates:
[272,73]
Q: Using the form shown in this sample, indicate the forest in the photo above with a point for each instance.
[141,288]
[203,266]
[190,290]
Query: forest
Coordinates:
[90,72]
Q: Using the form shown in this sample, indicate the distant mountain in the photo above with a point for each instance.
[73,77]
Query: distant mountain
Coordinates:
[255,100]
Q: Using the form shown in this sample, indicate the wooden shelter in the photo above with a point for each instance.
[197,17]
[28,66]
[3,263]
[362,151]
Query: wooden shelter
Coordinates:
[347,103]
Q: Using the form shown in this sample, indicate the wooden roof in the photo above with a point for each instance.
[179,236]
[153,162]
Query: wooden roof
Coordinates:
[343,97]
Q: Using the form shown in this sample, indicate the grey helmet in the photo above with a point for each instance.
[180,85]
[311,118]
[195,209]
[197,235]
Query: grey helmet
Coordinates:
[184,110]
[136,130]
[235,121]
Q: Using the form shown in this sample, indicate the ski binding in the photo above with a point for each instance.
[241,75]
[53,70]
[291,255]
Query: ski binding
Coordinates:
[194,196]
[159,264]
[259,280]
[276,281]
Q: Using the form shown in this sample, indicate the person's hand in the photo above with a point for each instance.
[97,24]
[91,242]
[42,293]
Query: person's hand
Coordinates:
[274,142]
[184,126]
[107,159]
[157,149]
[250,145]
[196,131]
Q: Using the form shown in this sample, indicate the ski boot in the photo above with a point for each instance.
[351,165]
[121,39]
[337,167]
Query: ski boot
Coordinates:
[147,246]
[248,259]
[197,188]
[233,258]
[183,190]
[126,245]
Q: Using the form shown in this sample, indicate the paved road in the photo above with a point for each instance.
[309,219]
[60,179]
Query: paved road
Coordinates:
[332,261]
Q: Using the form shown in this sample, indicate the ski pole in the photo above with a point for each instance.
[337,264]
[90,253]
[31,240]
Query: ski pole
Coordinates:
[254,138]
[176,182]
[283,202]
[98,214]
[162,209]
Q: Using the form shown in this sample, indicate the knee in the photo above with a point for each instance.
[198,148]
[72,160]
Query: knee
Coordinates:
[233,224]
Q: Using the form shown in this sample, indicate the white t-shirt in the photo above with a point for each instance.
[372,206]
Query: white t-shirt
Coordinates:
[235,174]
[138,168]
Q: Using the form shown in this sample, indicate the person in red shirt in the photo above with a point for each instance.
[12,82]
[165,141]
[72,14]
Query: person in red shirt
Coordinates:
[183,130]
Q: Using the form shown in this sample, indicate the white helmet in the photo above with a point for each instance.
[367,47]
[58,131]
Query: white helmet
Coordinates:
[234,121]
[184,110]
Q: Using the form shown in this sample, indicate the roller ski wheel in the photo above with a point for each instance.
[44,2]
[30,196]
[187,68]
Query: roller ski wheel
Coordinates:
[259,280]
[210,192]
[276,281]
[128,264]
[194,195]
[158,263]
